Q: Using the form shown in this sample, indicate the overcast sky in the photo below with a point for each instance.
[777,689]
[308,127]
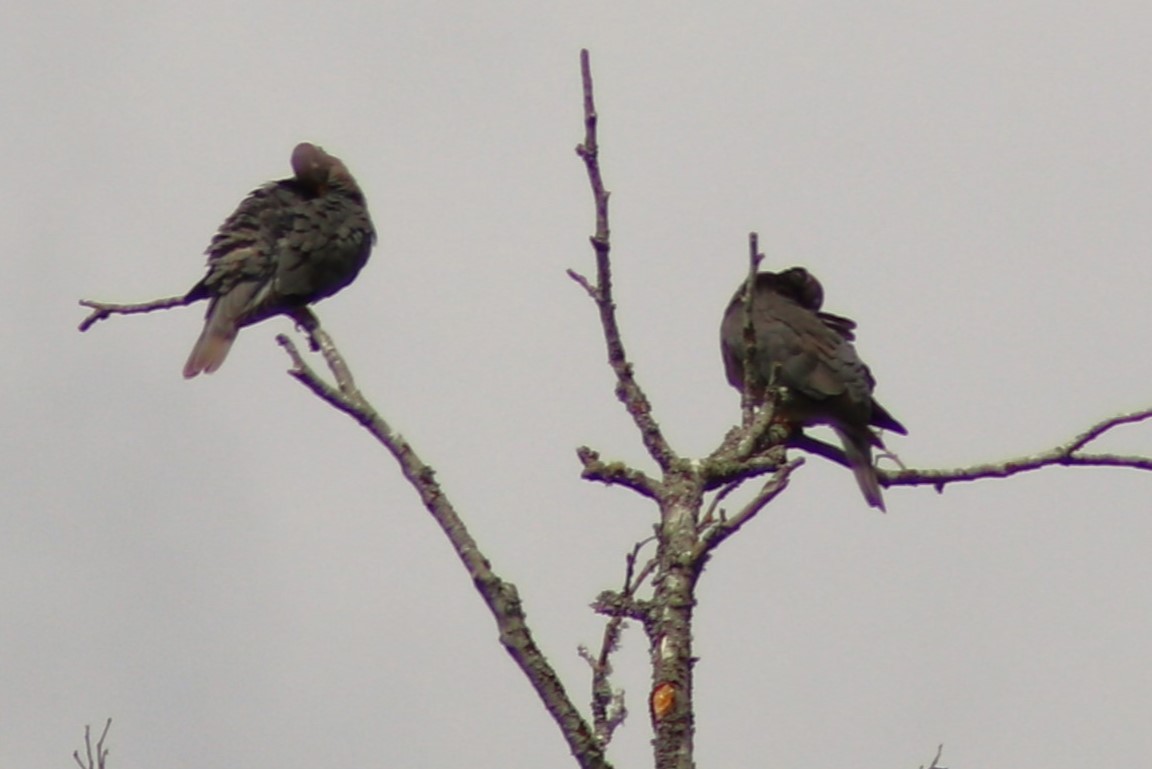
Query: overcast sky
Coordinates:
[239,576]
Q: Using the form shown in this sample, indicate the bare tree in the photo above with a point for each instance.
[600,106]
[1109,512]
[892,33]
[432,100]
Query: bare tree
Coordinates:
[661,574]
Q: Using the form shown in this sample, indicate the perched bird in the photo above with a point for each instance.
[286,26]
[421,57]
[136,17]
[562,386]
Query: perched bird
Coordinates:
[809,353]
[290,243]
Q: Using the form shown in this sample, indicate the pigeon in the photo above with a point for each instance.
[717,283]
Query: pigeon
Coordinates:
[809,354]
[290,243]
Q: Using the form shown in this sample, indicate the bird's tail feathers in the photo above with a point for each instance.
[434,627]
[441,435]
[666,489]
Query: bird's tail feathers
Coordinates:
[881,418]
[220,329]
[858,450]
[209,353]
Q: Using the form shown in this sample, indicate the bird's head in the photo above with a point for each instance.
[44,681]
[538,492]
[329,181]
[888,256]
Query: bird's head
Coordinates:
[797,284]
[310,164]
[318,170]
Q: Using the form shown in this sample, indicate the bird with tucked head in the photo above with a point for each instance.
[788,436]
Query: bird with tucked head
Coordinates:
[290,243]
[809,355]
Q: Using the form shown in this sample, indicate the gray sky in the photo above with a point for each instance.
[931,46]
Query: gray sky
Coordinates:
[240,577]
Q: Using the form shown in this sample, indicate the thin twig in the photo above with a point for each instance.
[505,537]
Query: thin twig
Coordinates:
[628,391]
[726,527]
[1096,430]
[750,395]
[616,473]
[1066,455]
[714,511]
[936,761]
[97,761]
[102,310]
[609,710]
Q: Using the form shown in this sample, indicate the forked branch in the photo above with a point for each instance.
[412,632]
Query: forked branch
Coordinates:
[102,310]
[94,759]
[608,707]
[1068,455]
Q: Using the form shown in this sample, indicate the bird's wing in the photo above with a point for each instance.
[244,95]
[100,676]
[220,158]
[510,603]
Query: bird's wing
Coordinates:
[845,327]
[806,351]
[244,248]
[808,356]
[324,248]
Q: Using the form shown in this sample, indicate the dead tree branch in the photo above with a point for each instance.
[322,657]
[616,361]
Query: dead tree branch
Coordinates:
[501,597]
[726,527]
[678,493]
[1069,454]
[93,760]
[936,761]
[628,391]
[615,474]
[102,310]
[609,710]
[749,395]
